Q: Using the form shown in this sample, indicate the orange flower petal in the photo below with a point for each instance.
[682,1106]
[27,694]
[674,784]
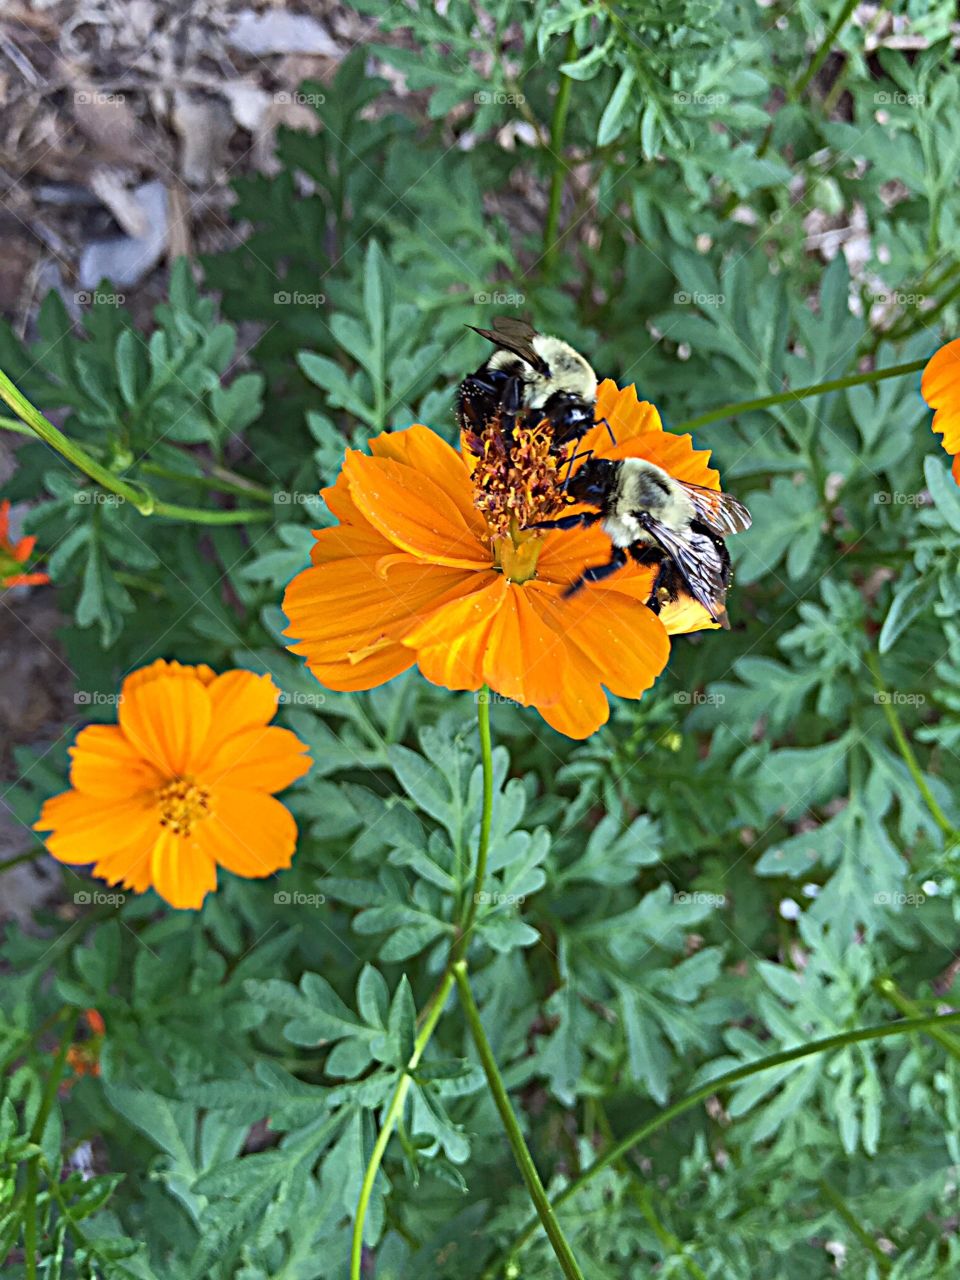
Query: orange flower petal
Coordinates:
[526,657]
[451,641]
[940,387]
[84,828]
[428,454]
[583,708]
[24,548]
[686,615]
[413,512]
[240,701]
[106,764]
[249,833]
[181,871]
[264,759]
[166,718]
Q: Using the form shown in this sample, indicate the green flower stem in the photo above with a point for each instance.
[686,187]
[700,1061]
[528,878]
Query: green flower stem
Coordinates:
[801,393]
[890,991]
[545,1213]
[434,1007]
[844,1211]
[28,855]
[704,1091]
[480,869]
[909,758]
[138,496]
[220,480]
[391,1116]
[826,45]
[558,127]
[36,1135]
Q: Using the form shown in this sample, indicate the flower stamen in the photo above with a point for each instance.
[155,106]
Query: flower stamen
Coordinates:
[182,803]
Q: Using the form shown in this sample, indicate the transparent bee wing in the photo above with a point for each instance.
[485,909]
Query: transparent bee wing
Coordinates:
[514,335]
[718,511]
[699,564]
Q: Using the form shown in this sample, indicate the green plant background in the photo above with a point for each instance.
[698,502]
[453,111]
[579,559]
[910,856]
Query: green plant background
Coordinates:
[634,941]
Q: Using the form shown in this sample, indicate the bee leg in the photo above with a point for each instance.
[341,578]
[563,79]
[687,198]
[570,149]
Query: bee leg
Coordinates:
[602,422]
[511,402]
[584,520]
[568,463]
[618,558]
[666,585]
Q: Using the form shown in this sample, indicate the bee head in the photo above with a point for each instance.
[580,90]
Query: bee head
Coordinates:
[594,481]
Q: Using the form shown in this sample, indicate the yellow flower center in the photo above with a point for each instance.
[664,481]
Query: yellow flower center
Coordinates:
[517,555]
[515,481]
[182,803]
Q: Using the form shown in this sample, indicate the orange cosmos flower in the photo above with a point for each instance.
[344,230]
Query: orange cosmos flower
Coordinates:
[182,785]
[84,1058]
[940,387]
[433,563]
[15,554]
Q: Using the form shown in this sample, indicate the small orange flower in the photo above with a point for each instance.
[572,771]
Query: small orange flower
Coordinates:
[432,564]
[182,785]
[15,554]
[84,1058]
[940,387]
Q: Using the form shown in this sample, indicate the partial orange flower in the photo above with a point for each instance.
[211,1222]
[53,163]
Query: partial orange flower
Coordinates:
[83,1057]
[15,554]
[940,387]
[433,563]
[182,785]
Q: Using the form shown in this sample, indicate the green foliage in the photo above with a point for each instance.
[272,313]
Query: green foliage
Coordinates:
[760,853]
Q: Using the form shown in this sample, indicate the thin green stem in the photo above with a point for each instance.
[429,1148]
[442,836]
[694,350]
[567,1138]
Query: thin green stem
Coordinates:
[483,846]
[28,855]
[826,45]
[844,1211]
[545,1213]
[558,126]
[907,752]
[219,480]
[36,1136]
[707,1090]
[137,495]
[390,1118]
[800,393]
[890,991]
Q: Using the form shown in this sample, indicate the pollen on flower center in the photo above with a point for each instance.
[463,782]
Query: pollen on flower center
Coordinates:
[182,803]
[515,480]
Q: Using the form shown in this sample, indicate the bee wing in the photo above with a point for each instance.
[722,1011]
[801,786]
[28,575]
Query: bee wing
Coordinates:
[718,511]
[698,562]
[514,335]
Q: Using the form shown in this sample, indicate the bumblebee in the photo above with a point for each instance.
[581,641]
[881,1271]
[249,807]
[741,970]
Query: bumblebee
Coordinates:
[529,373]
[655,519]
